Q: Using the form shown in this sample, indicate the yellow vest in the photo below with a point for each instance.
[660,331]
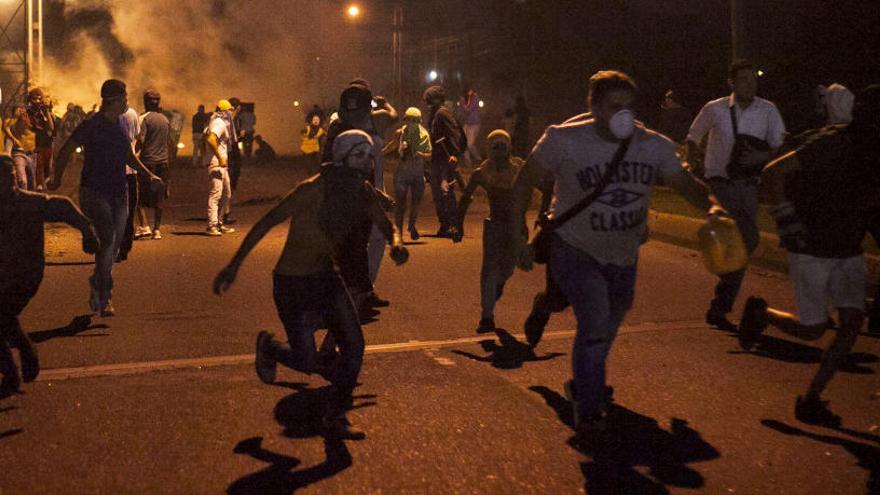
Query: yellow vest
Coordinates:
[311,144]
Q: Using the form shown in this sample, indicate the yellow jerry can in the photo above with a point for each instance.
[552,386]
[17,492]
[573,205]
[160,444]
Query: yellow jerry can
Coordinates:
[722,245]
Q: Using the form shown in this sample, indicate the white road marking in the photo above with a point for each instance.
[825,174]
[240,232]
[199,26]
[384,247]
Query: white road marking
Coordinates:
[120,369]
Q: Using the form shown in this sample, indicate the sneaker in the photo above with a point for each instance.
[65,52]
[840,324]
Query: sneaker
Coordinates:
[108,310]
[214,232]
[443,232]
[367,314]
[30,362]
[535,324]
[486,325]
[157,235]
[337,427]
[719,321]
[753,322]
[265,363]
[226,230]
[414,234]
[374,301]
[142,232]
[815,412]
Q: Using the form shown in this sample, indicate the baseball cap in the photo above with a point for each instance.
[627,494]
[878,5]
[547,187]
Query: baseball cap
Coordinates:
[224,105]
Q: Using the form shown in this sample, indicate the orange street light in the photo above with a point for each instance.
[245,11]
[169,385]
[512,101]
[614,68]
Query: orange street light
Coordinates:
[353,11]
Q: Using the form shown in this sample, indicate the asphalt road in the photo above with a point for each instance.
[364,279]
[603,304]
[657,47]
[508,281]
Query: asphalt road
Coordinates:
[162,398]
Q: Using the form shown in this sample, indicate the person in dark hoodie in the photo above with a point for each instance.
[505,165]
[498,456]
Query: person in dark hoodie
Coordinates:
[446,151]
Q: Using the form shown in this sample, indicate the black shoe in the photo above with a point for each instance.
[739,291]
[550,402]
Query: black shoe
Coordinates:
[337,427]
[486,325]
[443,232]
[414,234]
[367,314]
[374,301]
[30,363]
[753,322]
[535,324]
[719,321]
[815,412]
[122,256]
[229,220]
[264,363]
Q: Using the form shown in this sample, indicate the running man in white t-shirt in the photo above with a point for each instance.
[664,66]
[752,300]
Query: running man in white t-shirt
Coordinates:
[593,256]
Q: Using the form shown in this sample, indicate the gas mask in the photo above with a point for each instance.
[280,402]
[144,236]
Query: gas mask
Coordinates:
[622,124]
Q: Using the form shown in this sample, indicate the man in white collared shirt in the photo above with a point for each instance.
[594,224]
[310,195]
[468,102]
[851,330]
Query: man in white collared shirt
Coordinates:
[744,133]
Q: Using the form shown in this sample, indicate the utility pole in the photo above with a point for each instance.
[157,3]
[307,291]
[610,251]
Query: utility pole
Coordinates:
[397,53]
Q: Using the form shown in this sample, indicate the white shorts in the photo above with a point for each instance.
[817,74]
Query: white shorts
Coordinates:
[820,281]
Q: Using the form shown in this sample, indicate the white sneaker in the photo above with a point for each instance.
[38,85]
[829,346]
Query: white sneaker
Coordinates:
[142,232]
[214,232]
[157,235]
[226,230]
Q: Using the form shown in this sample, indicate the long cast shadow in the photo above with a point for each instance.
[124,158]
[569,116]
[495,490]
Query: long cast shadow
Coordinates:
[69,263]
[76,326]
[868,456]
[793,352]
[630,440]
[300,415]
[510,354]
[11,433]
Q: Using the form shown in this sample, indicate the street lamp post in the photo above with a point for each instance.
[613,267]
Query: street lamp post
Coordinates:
[397,52]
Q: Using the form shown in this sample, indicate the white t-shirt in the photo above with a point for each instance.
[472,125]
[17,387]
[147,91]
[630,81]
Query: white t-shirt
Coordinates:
[131,128]
[612,228]
[761,119]
[219,128]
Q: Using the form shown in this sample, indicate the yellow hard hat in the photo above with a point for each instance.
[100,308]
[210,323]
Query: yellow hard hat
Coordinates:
[413,112]
[224,105]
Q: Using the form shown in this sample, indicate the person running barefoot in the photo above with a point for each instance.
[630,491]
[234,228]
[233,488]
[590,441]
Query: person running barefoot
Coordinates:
[307,286]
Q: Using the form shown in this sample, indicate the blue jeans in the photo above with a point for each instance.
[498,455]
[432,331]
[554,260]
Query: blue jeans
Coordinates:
[600,296]
[108,215]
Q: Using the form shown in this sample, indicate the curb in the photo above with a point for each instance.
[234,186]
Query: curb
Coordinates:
[682,231]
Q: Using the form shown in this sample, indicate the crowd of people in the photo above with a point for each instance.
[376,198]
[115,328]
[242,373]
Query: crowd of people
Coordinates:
[595,171]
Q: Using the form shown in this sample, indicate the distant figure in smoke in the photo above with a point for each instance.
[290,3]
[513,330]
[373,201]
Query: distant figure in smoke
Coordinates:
[675,120]
[521,128]
[313,141]
[218,136]
[19,130]
[103,191]
[324,209]
[247,120]
[22,260]
[43,122]
[469,116]
[235,158]
[496,175]
[131,128]
[316,111]
[155,146]
[265,153]
[446,142]
[414,148]
[199,122]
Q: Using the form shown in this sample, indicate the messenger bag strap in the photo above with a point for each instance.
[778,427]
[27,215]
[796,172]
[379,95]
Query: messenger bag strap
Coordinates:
[557,222]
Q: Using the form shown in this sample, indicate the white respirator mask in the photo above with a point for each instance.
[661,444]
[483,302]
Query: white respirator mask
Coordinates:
[622,124]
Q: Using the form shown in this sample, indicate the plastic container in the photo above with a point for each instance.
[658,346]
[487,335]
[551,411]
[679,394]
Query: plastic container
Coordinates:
[722,245]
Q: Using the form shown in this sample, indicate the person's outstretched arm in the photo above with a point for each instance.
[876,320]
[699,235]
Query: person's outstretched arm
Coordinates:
[477,180]
[398,252]
[287,208]
[61,162]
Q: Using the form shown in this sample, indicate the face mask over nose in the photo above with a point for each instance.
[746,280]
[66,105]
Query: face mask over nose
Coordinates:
[622,124]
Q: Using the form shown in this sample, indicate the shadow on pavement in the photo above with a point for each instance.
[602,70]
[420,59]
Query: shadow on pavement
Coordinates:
[10,433]
[76,326]
[868,456]
[300,415]
[630,440]
[198,233]
[511,354]
[794,352]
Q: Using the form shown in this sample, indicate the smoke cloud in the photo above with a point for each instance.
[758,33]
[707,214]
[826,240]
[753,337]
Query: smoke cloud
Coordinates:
[197,52]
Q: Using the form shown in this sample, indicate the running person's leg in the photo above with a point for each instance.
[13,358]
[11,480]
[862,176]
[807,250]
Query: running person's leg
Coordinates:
[400,190]
[21,171]
[491,278]
[417,190]
[550,300]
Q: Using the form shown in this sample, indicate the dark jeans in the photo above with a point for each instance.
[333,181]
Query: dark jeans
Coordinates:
[415,186]
[304,302]
[740,199]
[499,261]
[108,216]
[127,241]
[235,160]
[444,202]
[600,296]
